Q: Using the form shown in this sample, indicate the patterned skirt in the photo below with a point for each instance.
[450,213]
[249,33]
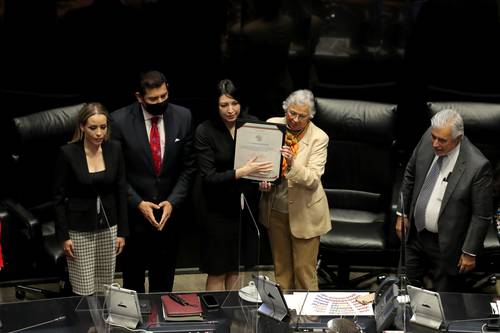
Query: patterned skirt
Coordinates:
[94,262]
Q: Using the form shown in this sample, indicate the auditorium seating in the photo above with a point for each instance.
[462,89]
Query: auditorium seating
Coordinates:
[360,184]
[361,180]
[36,141]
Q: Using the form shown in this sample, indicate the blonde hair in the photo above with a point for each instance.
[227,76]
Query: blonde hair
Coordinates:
[87,111]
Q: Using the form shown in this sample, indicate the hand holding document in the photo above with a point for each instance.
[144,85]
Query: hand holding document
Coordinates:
[252,167]
[257,150]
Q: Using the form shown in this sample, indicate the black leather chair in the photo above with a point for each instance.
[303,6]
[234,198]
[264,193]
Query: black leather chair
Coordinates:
[359,182]
[36,141]
[482,127]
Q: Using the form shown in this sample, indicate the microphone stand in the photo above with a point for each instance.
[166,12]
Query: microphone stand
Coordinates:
[244,203]
[403,297]
[300,312]
[490,323]
[403,279]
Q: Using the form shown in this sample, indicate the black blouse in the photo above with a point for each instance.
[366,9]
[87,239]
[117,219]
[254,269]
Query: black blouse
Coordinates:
[214,147]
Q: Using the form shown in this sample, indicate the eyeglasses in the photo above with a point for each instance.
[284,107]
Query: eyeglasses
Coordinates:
[294,114]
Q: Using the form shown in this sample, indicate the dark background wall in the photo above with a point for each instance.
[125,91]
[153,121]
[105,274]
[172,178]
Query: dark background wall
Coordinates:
[61,52]
[55,52]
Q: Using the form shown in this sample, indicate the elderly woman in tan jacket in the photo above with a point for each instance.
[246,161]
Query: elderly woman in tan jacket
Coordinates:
[295,210]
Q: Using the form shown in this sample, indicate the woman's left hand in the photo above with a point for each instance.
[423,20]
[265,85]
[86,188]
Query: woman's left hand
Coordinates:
[120,243]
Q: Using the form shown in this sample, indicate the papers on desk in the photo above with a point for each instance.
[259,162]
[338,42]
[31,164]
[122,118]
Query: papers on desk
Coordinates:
[328,304]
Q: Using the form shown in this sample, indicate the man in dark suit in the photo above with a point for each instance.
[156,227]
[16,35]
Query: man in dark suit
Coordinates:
[449,216]
[156,137]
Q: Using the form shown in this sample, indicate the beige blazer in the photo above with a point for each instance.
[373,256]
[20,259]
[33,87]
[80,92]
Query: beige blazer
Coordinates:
[308,209]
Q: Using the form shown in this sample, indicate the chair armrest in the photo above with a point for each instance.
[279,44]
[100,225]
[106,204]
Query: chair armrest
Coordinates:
[24,216]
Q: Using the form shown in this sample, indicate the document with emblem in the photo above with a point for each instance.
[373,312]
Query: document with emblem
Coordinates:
[262,141]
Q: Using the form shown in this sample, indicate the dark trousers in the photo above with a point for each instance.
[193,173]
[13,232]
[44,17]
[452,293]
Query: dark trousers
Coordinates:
[154,251]
[423,255]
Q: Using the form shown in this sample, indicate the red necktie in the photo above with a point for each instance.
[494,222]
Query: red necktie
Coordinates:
[154,143]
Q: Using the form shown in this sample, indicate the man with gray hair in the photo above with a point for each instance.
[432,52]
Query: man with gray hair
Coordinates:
[447,195]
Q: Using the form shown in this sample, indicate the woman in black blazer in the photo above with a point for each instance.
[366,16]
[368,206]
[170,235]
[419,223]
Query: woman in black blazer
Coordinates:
[91,202]
[217,189]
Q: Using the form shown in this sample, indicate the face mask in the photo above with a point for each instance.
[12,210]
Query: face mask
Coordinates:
[156,109]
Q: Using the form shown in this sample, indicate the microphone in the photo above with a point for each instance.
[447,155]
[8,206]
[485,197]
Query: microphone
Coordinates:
[402,251]
[39,324]
[244,204]
[492,323]
[300,311]
[403,312]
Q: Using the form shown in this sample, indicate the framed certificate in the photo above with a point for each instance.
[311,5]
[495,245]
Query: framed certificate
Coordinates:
[261,140]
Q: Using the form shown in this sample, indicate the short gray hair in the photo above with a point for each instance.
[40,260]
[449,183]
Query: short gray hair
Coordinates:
[302,97]
[449,117]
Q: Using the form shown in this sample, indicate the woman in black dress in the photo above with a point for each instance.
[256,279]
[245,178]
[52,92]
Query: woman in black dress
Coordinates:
[218,187]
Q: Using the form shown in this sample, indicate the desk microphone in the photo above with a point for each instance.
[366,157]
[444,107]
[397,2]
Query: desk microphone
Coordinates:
[244,203]
[492,323]
[300,311]
[38,325]
[403,312]
[402,252]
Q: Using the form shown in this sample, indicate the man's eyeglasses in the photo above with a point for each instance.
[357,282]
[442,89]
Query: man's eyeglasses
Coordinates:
[294,114]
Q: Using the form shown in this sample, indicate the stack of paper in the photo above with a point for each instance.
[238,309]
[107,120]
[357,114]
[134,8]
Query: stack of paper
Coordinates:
[182,307]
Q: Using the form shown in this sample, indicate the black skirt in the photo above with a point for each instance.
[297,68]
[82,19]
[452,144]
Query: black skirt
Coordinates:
[221,239]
